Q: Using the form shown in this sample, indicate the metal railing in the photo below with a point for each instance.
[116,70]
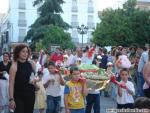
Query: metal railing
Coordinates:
[22,23]
[22,6]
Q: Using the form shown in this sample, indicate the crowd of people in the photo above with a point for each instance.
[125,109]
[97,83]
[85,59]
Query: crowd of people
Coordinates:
[31,81]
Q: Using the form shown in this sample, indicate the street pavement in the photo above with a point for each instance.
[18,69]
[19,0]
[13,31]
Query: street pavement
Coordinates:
[106,103]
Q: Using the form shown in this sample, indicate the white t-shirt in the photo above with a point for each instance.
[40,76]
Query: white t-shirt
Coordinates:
[70,60]
[38,66]
[54,88]
[126,97]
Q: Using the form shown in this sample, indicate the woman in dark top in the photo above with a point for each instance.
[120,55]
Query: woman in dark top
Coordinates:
[4,65]
[22,92]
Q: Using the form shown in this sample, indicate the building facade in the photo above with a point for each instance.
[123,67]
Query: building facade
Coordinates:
[143,4]
[22,14]
[78,12]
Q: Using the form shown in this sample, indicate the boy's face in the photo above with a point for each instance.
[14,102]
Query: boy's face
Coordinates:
[124,75]
[76,75]
[51,69]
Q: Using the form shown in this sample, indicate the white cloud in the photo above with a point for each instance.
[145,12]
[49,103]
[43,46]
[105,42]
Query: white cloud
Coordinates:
[4,6]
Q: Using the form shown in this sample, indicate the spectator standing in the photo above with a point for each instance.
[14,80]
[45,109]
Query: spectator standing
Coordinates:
[57,55]
[146,74]
[21,88]
[4,82]
[43,57]
[143,60]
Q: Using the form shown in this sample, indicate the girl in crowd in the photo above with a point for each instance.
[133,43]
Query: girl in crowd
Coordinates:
[52,83]
[40,95]
[126,92]
[21,90]
[40,98]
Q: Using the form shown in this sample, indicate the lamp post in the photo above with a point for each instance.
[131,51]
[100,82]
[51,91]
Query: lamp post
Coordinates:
[29,41]
[82,30]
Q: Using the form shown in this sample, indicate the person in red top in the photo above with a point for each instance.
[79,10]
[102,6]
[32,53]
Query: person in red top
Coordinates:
[57,55]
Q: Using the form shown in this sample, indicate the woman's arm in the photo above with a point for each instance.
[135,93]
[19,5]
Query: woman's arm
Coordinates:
[12,74]
[146,73]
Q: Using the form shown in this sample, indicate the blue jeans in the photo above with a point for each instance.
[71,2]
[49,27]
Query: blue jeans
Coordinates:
[93,100]
[140,83]
[53,104]
[77,110]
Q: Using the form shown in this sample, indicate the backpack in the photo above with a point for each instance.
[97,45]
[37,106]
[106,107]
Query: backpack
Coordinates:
[124,62]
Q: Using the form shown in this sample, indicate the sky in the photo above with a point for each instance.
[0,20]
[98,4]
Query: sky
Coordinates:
[101,4]
[4,6]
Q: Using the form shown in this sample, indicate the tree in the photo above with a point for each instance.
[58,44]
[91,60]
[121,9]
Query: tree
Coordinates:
[52,35]
[124,26]
[49,14]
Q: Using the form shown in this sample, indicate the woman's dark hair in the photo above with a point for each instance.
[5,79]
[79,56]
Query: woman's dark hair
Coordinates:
[6,53]
[142,103]
[51,64]
[18,49]
[73,68]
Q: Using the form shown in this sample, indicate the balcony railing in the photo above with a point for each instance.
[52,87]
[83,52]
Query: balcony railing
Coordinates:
[74,9]
[22,6]
[91,25]
[75,39]
[22,23]
[74,24]
[90,10]
[21,38]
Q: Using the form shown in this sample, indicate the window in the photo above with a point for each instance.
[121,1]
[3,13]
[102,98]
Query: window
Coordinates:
[90,6]
[74,22]
[22,4]
[21,15]
[22,19]
[74,34]
[74,6]
[90,18]
[22,34]
[89,37]
[90,22]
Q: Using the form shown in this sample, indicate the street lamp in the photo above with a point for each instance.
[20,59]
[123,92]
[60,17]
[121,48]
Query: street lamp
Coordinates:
[82,30]
[29,41]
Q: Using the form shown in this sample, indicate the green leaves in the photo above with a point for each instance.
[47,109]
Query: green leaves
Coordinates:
[55,35]
[49,15]
[123,26]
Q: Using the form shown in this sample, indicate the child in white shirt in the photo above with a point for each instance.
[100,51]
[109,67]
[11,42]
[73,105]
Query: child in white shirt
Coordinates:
[125,91]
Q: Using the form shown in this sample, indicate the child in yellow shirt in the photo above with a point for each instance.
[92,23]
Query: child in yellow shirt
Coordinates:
[74,92]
